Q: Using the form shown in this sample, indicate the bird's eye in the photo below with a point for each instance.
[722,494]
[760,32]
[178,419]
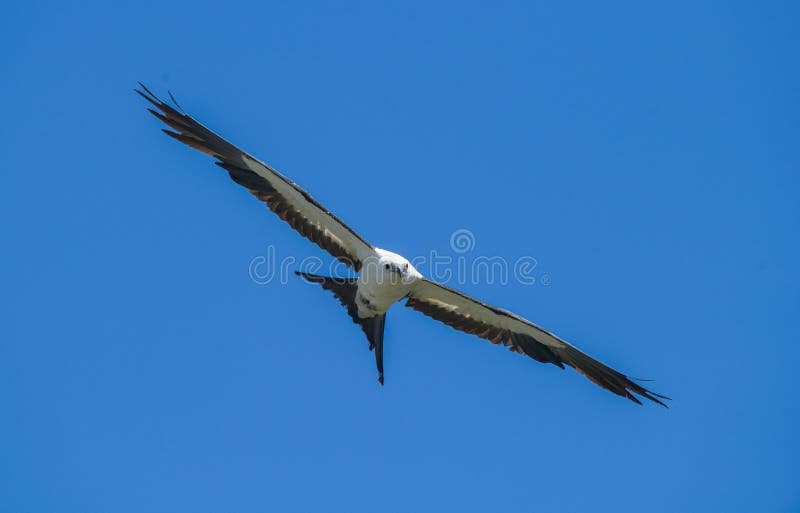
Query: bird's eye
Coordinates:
[386,266]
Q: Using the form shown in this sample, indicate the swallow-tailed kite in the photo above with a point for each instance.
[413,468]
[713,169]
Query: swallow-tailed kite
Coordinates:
[384,277]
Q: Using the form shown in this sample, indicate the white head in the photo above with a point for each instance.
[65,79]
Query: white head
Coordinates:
[392,268]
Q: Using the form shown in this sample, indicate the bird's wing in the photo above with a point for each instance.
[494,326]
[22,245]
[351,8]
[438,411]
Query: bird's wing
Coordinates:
[282,196]
[499,326]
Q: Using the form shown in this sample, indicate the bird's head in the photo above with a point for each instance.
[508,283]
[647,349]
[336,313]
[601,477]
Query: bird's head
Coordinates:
[396,269]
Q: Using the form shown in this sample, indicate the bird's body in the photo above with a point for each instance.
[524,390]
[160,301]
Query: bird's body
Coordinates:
[385,278]
[383,281]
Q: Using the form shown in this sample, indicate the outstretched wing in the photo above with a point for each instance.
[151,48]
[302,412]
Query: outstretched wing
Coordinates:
[282,196]
[499,326]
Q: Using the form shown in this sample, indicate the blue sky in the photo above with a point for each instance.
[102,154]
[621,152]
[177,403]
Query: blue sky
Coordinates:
[644,154]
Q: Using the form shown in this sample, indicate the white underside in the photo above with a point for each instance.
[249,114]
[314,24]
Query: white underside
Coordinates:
[378,288]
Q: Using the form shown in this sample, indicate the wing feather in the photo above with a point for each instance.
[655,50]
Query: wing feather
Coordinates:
[500,326]
[284,197]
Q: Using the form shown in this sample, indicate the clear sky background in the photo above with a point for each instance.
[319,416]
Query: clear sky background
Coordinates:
[646,154]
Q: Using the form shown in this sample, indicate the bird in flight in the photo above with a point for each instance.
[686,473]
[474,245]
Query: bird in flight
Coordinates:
[384,278]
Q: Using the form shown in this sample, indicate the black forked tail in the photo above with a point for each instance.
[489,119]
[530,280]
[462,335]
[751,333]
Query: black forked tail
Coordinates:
[345,290]
[378,323]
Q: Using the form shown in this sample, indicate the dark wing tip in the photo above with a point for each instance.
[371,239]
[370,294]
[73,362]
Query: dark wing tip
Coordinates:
[148,95]
[311,278]
[170,111]
[632,388]
[152,99]
[188,130]
[175,102]
[628,388]
[608,378]
[656,398]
